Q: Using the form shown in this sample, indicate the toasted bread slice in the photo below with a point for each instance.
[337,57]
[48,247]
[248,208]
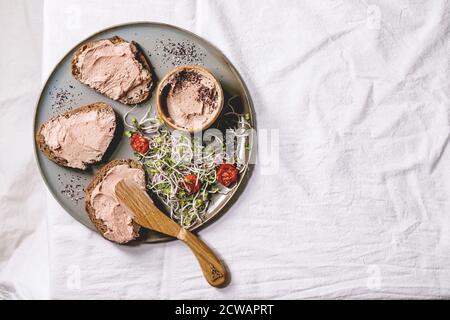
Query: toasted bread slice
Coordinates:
[98,178]
[132,96]
[54,154]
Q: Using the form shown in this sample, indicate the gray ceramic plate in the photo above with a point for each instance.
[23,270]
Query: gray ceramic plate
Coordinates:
[159,42]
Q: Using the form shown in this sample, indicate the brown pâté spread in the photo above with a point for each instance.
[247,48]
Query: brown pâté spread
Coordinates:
[117,219]
[191,98]
[112,69]
[81,138]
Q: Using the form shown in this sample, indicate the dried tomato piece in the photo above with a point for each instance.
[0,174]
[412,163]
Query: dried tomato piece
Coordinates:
[227,174]
[191,183]
[139,143]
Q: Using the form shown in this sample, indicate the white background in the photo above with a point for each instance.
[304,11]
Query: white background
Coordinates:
[356,91]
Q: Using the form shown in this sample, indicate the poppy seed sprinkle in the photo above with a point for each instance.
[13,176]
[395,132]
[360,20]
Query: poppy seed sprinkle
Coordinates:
[63,99]
[72,186]
[179,52]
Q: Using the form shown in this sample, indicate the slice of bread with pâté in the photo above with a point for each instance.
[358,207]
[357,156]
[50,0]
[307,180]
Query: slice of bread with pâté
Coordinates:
[79,137]
[107,202]
[116,68]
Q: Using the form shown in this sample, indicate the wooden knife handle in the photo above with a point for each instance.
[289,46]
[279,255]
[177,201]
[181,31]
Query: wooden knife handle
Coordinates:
[146,214]
[213,270]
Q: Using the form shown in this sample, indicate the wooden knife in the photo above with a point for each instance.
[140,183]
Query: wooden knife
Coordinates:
[149,216]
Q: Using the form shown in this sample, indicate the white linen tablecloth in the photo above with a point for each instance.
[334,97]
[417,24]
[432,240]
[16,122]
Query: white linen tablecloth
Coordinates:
[23,232]
[354,201]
